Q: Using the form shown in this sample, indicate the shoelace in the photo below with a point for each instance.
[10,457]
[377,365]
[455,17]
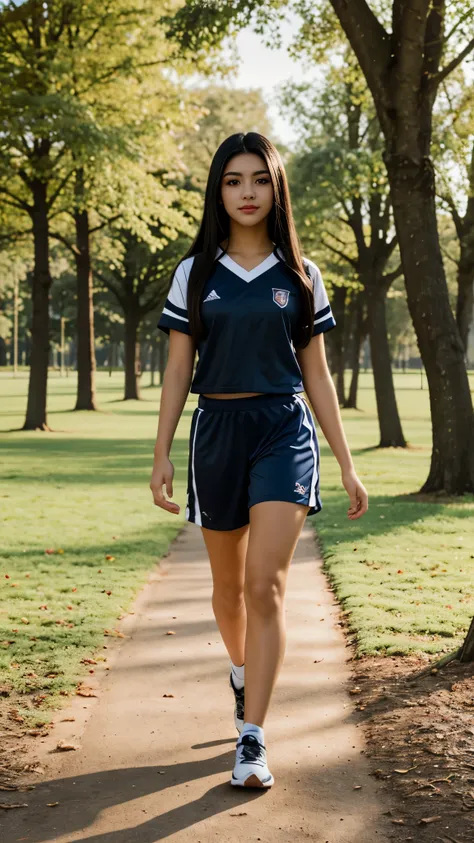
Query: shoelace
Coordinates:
[252,752]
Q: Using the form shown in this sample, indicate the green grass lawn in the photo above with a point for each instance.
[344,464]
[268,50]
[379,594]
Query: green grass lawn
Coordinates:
[404,572]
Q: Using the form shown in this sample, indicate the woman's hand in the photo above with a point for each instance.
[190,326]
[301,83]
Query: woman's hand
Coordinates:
[357,494]
[162,474]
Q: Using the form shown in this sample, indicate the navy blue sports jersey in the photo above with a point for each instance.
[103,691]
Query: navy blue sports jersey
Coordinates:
[250,317]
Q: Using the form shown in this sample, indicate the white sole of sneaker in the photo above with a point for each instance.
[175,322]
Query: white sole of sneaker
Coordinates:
[252,781]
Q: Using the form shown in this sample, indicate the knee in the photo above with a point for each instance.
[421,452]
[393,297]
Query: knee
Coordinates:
[264,595]
[230,596]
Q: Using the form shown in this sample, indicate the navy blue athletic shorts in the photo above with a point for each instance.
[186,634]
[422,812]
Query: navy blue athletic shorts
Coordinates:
[246,450]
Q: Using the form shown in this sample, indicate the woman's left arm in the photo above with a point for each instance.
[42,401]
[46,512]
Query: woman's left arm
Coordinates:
[320,389]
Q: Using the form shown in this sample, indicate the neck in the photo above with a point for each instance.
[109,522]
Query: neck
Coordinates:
[248,242]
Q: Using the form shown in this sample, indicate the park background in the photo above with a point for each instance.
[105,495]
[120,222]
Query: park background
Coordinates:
[109,123]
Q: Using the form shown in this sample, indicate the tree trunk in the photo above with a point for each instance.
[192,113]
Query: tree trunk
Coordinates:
[38,381]
[161,357]
[86,366]
[144,354]
[439,341]
[465,298]
[338,305]
[391,433]
[357,338]
[132,355]
[467,649]
[153,361]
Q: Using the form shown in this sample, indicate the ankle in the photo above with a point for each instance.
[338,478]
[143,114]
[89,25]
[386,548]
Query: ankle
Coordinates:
[254,729]
[238,675]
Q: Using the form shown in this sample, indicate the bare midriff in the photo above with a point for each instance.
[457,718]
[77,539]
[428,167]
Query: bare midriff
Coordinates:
[231,394]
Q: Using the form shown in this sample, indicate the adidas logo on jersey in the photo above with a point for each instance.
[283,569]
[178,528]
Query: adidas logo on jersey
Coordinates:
[212,295]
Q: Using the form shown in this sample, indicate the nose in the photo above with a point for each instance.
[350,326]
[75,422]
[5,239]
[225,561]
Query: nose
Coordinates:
[248,192]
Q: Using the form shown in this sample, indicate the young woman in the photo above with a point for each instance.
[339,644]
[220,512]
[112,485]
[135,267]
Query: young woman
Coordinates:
[256,311]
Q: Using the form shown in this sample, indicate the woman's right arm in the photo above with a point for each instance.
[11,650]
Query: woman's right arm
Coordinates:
[175,388]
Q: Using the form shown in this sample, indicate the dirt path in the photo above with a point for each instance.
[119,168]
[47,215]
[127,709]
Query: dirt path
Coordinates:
[151,767]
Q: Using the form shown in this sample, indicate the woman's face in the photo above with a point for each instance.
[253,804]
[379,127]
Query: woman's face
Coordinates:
[246,182]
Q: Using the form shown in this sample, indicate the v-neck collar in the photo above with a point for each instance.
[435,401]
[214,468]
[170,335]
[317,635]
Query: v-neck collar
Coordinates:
[246,274]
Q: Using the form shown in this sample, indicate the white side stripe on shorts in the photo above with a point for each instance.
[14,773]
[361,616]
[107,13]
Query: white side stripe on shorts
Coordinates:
[197,509]
[307,423]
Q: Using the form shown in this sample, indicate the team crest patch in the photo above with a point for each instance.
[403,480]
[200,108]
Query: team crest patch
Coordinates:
[280,296]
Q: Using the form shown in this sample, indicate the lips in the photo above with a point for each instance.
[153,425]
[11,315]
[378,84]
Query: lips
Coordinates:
[248,208]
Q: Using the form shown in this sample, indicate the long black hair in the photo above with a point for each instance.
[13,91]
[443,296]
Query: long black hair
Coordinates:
[215,227]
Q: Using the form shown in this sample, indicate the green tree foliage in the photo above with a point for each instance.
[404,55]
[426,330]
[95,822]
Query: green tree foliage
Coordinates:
[454,161]
[342,181]
[84,86]
[405,51]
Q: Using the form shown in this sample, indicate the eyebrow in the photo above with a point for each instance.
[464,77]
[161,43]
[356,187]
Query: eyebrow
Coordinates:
[255,173]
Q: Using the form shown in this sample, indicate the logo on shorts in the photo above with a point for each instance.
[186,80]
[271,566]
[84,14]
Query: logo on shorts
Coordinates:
[300,489]
[280,297]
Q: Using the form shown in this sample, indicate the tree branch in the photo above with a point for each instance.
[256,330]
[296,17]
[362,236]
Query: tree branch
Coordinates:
[111,287]
[71,246]
[352,261]
[447,255]
[371,44]
[103,224]
[445,71]
[457,219]
[390,277]
[60,186]
[434,40]
[16,202]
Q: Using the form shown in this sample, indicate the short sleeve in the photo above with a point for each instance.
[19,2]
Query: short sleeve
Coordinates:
[175,310]
[323,316]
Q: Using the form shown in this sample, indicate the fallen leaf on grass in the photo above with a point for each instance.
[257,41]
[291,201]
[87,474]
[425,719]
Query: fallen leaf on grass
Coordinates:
[110,558]
[88,661]
[85,692]
[5,805]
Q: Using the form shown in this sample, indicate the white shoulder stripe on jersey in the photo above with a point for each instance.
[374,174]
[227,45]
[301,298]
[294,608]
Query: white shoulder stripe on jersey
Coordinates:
[167,312]
[323,318]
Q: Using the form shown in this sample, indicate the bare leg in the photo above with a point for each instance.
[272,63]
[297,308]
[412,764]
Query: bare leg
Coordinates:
[275,527]
[227,550]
